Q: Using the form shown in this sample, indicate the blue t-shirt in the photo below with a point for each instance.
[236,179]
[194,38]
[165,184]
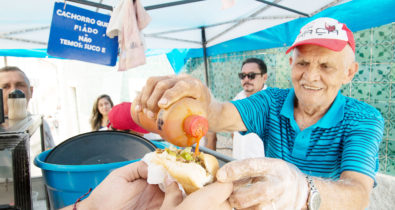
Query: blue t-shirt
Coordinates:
[347,138]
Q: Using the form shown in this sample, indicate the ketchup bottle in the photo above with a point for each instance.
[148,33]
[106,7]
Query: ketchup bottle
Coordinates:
[183,124]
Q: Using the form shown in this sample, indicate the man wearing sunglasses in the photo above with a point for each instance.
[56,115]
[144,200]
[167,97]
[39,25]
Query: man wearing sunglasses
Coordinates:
[253,77]
[323,146]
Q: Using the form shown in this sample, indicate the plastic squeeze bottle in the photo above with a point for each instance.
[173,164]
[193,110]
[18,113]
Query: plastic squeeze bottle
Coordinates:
[17,105]
[183,124]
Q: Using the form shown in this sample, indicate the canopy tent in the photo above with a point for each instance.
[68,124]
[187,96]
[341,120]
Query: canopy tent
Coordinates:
[179,22]
[195,28]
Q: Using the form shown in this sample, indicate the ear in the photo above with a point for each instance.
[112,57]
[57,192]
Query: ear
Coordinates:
[290,60]
[350,72]
[264,78]
[31,92]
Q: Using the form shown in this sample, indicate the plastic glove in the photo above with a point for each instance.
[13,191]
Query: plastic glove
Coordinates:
[161,92]
[265,183]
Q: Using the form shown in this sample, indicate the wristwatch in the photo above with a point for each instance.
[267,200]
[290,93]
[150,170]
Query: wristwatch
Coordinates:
[314,199]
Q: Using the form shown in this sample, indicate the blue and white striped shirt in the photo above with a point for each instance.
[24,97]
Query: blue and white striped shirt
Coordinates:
[347,138]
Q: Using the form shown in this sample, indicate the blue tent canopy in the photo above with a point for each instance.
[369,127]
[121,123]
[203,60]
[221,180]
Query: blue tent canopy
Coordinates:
[357,15]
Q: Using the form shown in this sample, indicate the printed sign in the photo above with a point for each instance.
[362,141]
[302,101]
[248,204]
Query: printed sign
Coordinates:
[80,34]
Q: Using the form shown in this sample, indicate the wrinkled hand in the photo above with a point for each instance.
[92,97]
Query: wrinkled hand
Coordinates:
[213,196]
[265,183]
[161,92]
[126,188]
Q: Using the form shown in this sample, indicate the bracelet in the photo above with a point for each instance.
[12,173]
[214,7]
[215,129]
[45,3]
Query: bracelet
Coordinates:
[80,198]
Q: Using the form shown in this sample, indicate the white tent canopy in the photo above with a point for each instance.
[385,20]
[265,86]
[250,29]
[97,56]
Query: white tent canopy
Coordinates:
[25,24]
[177,25]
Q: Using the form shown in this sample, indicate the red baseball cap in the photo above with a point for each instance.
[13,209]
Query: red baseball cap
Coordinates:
[121,119]
[325,32]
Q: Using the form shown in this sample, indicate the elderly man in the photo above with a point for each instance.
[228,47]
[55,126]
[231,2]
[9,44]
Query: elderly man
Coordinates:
[332,140]
[11,78]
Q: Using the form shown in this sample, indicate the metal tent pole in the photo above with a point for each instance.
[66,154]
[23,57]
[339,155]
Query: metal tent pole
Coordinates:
[158,6]
[204,44]
[239,22]
[170,4]
[93,4]
[100,2]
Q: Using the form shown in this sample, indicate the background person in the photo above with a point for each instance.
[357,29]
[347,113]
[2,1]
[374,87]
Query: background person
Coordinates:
[11,78]
[121,120]
[332,140]
[253,77]
[101,108]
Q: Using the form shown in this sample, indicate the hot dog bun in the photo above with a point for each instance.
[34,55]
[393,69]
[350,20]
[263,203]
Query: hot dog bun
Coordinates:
[191,174]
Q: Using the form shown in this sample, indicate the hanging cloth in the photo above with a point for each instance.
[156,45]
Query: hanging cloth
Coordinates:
[226,4]
[127,20]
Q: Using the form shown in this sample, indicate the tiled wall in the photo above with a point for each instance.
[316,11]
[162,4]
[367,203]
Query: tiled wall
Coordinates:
[374,83]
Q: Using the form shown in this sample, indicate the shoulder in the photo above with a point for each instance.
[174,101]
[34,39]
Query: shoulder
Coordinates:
[355,109]
[240,95]
[276,94]
[49,141]
[264,98]
[271,98]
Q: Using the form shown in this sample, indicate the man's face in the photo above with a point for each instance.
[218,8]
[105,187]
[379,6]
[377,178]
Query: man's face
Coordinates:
[9,81]
[252,86]
[318,74]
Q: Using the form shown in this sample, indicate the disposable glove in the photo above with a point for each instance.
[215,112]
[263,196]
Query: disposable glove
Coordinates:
[265,183]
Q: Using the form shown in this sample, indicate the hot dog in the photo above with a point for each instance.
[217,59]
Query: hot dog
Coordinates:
[190,170]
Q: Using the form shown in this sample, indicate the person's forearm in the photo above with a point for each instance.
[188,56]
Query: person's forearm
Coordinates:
[342,194]
[224,117]
[82,205]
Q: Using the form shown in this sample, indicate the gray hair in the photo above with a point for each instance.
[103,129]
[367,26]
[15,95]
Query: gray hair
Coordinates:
[14,69]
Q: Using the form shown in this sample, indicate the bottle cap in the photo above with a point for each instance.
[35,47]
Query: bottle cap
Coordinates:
[196,126]
[16,94]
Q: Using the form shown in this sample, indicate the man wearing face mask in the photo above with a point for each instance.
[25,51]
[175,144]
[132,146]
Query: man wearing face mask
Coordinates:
[11,78]
[253,77]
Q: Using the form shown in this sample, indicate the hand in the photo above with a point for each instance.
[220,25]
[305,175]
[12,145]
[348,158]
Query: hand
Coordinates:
[213,196]
[161,92]
[265,183]
[125,188]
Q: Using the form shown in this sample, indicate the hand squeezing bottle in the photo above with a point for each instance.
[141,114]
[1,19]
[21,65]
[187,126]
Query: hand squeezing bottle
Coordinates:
[183,124]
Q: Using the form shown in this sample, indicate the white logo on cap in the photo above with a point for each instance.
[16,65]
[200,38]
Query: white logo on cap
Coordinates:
[322,28]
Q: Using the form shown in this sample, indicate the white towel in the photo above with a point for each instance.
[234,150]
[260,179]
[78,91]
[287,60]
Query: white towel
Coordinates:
[127,21]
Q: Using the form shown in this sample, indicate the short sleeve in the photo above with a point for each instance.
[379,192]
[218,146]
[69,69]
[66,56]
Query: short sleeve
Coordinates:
[361,145]
[253,111]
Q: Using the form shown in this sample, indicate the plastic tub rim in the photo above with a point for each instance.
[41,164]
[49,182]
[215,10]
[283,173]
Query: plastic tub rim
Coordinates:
[96,133]
[38,161]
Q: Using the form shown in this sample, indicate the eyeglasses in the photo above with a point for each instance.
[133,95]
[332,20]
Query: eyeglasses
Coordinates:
[249,75]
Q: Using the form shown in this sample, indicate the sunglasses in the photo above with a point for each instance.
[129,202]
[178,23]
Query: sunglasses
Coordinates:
[249,75]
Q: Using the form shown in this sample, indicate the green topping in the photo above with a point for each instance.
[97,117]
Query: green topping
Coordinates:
[187,156]
[170,152]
